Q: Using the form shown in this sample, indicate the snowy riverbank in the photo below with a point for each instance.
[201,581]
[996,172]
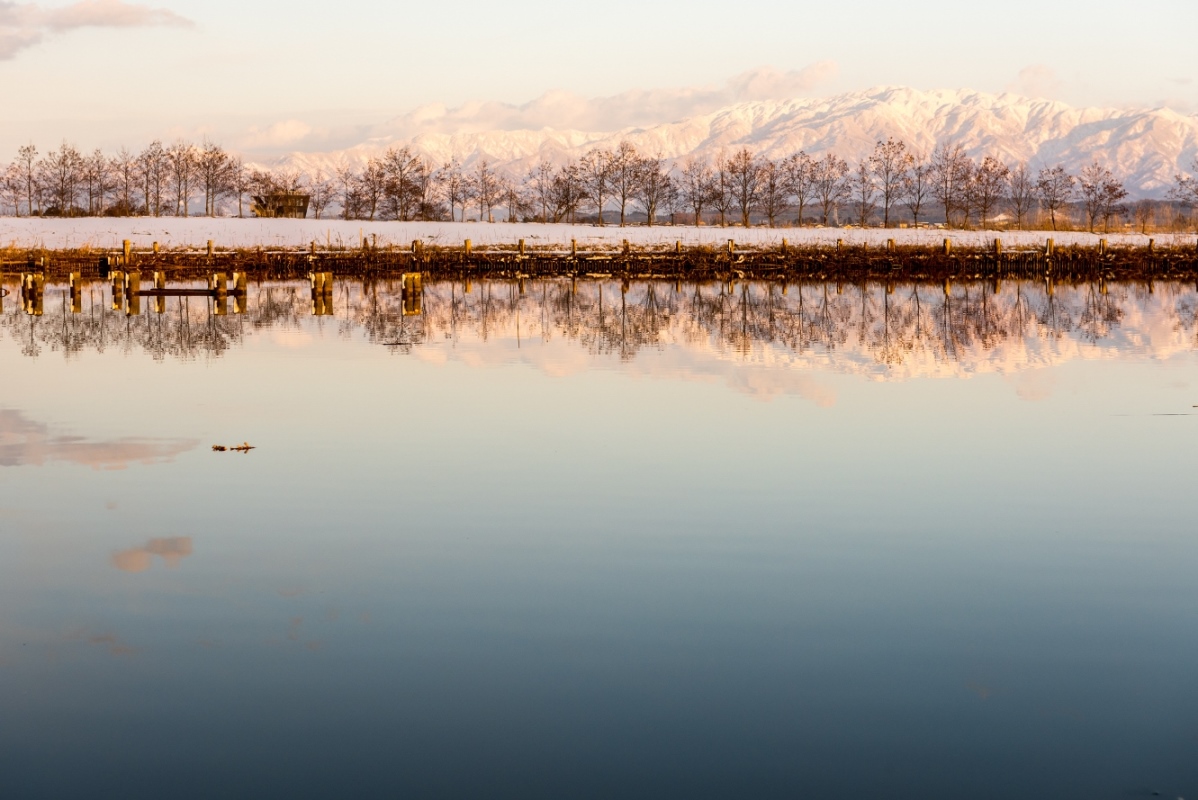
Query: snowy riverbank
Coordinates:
[193,232]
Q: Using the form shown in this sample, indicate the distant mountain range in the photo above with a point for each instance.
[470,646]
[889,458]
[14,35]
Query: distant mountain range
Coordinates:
[1145,147]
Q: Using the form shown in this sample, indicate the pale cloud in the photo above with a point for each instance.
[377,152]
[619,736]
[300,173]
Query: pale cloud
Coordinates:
[637,108]
[139,559]
[1037,80]
[23,25]
[25,442]
[280,135]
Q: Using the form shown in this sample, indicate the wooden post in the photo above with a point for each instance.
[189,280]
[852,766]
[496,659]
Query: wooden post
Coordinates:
[1151,245]
[731,247]
[313,247]
[468,248]
[839,245]
[211,248]
[678,247]
[627,248]
[127,248]
[219,284]
[159,279]
[521,248]
[784,247]
[573,248]
[239,282]
[155,247]
[890,246]
[1048,248]
[998,247]
[1102,247]
[948,247]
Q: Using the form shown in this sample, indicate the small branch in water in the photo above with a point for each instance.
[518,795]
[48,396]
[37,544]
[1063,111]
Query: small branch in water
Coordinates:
[244,447]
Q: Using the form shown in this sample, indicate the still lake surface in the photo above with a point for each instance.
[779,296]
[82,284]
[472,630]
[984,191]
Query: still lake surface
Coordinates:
[597,540]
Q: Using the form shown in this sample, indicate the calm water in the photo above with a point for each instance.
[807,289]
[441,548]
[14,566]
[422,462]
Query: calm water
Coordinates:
[601,541]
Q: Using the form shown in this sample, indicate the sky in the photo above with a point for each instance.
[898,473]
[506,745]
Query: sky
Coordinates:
[272,76]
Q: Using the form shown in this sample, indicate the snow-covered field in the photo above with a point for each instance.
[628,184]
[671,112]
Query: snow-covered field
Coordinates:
[194,232]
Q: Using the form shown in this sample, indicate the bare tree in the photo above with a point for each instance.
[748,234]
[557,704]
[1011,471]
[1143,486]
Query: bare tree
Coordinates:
[625,163]
[124,169]
[654,186]
[990,182]
[889,164]
[1055,188]
[1021,192]
[371,185]
[212,165]
[721,198]
[62,171]
[951,173]
[181,158]
[540,184]
[569,189]
[830,181]
[11,188]
[26,164]
[347,184]
[486,189]
[800,180]
[1144,212]
[97,178]
[694,187]
[864,191]
[152,164]
[239,182]
[1113,195]
[744,169]
[917,184]
[596,171]
[775,190]
[320,192]
[1090,181]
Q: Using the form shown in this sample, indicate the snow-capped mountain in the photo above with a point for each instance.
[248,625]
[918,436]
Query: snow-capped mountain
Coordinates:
[1146,147]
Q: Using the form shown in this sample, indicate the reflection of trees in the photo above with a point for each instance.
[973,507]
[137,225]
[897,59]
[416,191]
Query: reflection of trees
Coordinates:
[890,323]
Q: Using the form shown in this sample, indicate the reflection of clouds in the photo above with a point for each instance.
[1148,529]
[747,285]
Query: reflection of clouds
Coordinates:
[24,442]
[139,559]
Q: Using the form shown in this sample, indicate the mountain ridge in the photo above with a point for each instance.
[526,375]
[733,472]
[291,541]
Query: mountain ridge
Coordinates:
[1145,147]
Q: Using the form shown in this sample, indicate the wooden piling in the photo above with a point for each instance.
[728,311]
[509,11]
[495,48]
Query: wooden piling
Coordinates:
[890,245]
[155,248]
[468,247]
[948,247]
[211,248]
[521,248]
[998,247]
[1048,248]
[126,249]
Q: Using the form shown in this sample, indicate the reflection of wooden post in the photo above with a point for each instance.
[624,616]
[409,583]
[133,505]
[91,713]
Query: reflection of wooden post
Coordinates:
[118,288]
[948,287]
[413,294]
[76,293]
[218,283]
[132,298]
[239,282]
[521,282]
[997,286]
[220,305]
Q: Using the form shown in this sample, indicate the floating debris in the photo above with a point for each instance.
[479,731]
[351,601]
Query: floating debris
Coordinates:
[244,447]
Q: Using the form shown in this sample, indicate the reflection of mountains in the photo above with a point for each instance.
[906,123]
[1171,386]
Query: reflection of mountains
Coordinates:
[904,331]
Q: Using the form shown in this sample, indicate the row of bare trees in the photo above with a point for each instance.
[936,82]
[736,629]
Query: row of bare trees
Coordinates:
[892,185]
